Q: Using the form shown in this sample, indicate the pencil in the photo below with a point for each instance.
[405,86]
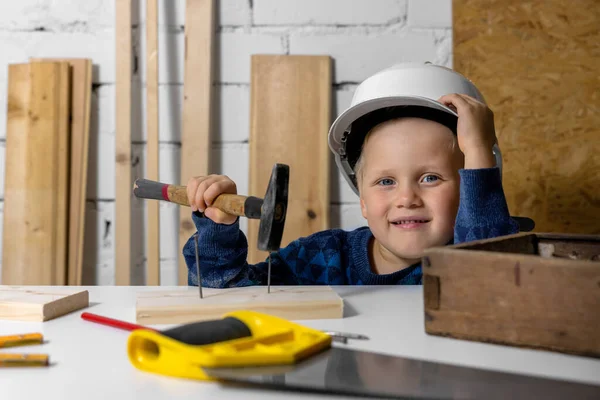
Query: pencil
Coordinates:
[115,323]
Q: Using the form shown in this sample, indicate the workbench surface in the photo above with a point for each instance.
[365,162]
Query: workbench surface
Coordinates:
[90,360]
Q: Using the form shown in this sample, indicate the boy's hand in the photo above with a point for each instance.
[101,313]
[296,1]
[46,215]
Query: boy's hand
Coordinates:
[475,130]
[203,190]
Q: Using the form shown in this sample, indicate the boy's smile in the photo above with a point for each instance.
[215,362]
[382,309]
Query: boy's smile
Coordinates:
[409,186]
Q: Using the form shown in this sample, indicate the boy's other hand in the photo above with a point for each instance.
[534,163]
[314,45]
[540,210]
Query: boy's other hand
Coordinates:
[475,130]
[202,192]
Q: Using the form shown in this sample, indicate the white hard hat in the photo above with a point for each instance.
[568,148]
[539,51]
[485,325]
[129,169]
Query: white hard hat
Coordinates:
[407,89]
[414,86]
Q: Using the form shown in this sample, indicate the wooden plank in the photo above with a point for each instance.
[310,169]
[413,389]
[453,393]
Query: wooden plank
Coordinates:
[545,102]
[290,302]
[123,181]
[197,107]
[36,96]
[81,90]
[515,299]
[62,207]
[39,304]
[80,137]
[290,117]
[64,168]
[153,235]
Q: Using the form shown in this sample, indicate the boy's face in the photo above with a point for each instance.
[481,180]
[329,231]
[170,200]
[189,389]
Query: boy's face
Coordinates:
[409,185]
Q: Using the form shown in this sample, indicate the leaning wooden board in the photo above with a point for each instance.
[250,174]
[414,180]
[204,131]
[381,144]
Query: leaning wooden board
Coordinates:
[152,210]
[290,117]
[197,106]
[289,302]
[81,89]
[39,304]
[34,240]
[531,290]
[123,182]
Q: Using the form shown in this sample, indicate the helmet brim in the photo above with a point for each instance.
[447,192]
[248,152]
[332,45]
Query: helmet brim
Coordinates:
[345,119]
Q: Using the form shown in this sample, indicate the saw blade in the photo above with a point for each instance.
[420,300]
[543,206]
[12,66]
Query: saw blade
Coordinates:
[359,373]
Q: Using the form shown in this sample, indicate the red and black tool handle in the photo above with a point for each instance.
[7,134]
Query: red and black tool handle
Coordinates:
[195,333]
[243,206]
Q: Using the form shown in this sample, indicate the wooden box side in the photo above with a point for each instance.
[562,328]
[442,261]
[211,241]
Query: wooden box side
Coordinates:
[571,246]
[522,243]
[515,299]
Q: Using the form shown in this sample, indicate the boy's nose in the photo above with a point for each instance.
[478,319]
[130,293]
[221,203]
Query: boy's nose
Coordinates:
[408,197]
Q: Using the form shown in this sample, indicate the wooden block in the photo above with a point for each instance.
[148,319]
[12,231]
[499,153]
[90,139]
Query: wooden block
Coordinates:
[289,302]
[34,304]
[197,106]
[531,290]
[153,231]
[123,181]
[81,90]
[290,118]
[34,242]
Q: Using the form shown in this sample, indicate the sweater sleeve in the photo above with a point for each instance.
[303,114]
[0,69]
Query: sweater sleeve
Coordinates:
[483,211]
[223,251]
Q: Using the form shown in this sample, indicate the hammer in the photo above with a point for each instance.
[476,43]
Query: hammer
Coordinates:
[271,210]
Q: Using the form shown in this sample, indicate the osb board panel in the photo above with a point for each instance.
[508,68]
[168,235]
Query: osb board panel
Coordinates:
[537,64]
[290,117]
[35,304]
[185,305]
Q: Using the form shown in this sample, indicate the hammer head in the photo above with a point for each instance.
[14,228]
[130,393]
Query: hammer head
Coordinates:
[274,209]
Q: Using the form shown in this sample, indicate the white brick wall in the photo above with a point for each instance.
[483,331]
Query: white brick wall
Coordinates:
[357,55]
[330,12]
[430,13]
[362,36]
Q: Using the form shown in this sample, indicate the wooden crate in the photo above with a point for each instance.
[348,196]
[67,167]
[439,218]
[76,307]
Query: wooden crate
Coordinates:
[532,290]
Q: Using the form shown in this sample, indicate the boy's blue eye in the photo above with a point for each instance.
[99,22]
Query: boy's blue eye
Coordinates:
[430,178]
[386,182]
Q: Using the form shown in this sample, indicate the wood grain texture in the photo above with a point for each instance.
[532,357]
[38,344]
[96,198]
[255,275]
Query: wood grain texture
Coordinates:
[537,63]
[152,207]
[81,90]
[290,302]
[80,144]
[35,180]
[123,179]
[290,116]
[63,163]
[197,107]
[233,204]
[515,299]
[38,304]
[178,195]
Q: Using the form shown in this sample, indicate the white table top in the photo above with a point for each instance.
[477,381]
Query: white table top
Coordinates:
[90,359]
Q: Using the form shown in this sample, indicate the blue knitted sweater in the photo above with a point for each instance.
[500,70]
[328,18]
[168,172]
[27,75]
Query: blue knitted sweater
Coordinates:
[336,256]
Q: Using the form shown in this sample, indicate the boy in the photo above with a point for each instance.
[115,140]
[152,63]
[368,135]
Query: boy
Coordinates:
[418,146]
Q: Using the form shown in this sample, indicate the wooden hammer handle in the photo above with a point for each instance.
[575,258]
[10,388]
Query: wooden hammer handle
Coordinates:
[230,203]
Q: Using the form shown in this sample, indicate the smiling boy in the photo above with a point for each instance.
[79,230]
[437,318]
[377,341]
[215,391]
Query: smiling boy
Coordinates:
[418,146]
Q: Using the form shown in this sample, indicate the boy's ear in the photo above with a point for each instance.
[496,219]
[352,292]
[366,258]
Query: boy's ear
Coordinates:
[363,208]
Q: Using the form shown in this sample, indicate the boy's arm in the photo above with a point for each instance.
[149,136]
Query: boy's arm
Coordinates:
[222,252]
[483,212]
